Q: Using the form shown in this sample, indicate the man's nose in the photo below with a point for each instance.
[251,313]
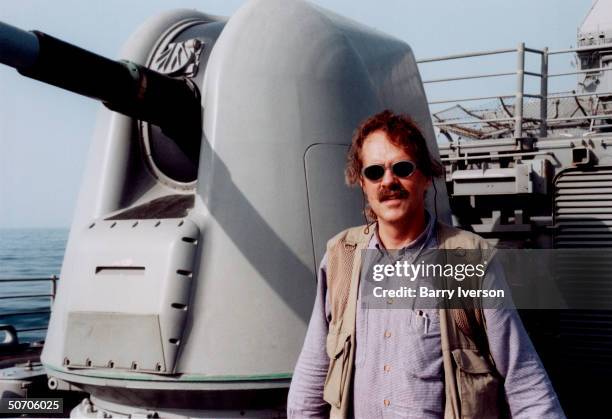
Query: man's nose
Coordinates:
[388,177]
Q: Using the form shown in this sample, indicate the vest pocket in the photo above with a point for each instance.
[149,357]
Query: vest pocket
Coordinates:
[338,350]
[478,384]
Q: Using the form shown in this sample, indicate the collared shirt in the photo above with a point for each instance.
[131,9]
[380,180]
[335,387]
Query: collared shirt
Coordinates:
[398,358]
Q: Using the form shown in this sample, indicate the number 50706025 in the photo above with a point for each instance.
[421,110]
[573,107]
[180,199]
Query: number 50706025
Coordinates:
[37,405]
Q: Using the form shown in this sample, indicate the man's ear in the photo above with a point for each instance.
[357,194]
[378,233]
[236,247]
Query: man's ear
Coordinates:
[429,183]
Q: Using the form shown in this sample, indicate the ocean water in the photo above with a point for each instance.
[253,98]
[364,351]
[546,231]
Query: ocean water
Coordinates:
[29,253]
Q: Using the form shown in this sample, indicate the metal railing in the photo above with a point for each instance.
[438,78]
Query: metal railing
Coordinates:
[29,296]
[542,122]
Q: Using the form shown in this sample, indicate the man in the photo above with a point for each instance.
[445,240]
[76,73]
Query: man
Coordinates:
[429,363]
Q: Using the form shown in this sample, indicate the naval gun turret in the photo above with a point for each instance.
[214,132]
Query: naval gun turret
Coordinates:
[187,283]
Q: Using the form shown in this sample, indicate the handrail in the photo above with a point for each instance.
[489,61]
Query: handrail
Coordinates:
[579,118]
[497,156]
[16,297]
[580,49]
[544,93]
[590,70]
[468,99]
[464,122]
[485,116]
[553,95]
[53,279]
[24,313]
[520,74]
[478,76]
[466,55]
[31,329]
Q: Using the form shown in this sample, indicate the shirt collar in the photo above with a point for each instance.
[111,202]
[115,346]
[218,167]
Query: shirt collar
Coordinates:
[424,237]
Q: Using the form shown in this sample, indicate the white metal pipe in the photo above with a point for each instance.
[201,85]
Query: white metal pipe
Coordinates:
[544,93]
[520,83]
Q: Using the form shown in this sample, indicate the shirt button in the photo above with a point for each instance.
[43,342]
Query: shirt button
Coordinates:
[390,301]
[386,402]
[387,368]
[387,334]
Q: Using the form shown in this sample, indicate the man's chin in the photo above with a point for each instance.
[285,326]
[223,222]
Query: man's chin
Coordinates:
[392,216]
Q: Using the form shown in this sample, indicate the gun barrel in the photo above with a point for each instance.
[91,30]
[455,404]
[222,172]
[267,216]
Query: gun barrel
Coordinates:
[131,89]
[18,48]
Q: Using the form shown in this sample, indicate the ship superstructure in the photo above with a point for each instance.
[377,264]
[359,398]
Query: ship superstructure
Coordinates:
[533,169]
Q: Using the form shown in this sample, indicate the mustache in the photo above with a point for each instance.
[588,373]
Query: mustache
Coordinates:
[392,192]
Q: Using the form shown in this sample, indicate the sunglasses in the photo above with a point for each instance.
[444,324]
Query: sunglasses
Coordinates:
[402,169]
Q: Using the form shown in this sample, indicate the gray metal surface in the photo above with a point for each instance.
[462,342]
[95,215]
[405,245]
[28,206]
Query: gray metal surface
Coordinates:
[21,380]
[583,208]
[128,272]
[583,219]
[328,197]
[598,19]
[519,179]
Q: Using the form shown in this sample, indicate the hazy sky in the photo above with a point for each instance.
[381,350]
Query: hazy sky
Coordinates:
[45,132]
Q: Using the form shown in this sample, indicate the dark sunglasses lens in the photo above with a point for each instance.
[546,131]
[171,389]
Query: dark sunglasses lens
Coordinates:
[374,172]
[403,169]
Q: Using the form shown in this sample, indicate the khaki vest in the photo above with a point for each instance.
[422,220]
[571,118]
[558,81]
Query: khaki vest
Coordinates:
[473,387]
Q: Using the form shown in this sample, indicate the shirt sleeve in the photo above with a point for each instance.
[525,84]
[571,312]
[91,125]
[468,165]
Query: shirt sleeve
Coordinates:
[305,398]
[528,389]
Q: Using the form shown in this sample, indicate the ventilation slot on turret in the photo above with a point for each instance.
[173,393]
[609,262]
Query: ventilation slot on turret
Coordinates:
[120,270]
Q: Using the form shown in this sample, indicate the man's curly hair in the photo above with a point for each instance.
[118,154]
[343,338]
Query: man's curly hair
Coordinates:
[402,132]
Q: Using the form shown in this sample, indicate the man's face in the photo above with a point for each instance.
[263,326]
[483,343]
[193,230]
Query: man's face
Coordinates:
[393,199]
